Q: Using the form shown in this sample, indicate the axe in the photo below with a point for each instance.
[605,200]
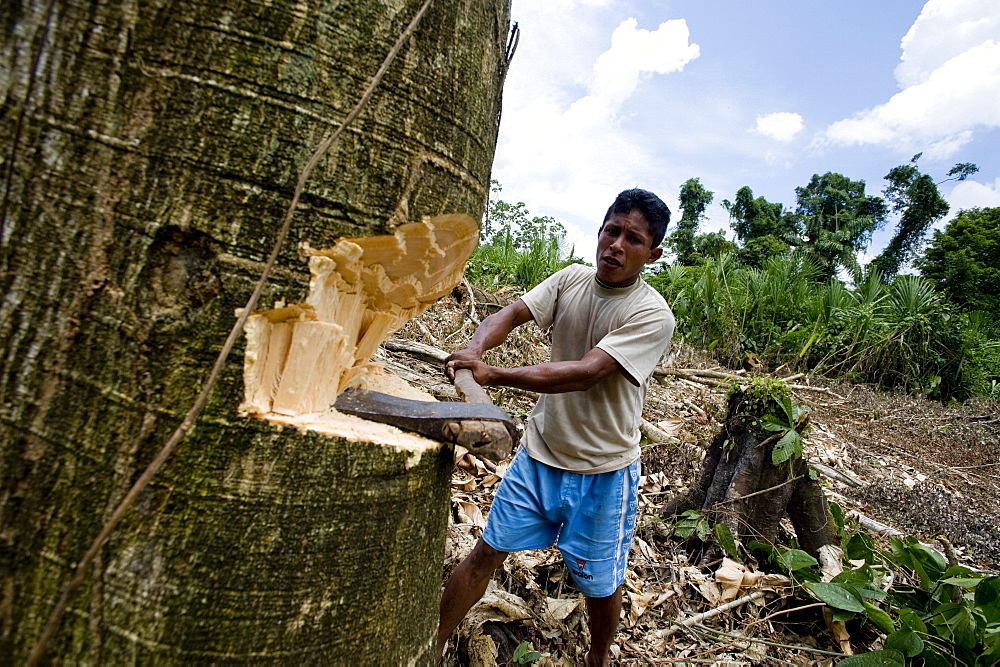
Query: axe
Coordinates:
[476,424]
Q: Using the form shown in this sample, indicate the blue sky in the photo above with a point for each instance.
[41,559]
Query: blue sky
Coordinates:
[603,95]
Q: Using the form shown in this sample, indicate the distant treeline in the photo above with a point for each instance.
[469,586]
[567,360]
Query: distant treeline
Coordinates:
[791,290]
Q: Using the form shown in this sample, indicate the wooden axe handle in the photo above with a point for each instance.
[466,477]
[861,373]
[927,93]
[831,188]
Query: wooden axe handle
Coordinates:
[468,389]
[489,439]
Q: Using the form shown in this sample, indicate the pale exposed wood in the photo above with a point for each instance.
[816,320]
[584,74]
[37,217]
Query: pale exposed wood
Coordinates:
[696,373]
[653,433]
[360,292]
[837,475]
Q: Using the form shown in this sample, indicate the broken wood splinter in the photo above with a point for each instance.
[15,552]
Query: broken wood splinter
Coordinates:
[301,357]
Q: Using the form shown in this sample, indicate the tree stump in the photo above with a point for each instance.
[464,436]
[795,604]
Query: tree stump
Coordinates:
[754,474]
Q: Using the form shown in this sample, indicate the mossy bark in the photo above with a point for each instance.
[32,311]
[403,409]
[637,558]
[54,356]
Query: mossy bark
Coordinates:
[151,149]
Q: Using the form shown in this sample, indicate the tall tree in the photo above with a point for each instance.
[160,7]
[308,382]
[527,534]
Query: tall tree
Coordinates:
[149,149]
[964,260]
[764,228]
[838,220]
[694,199]
[915,195]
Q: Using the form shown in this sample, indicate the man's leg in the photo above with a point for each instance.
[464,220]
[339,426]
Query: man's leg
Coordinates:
[465,587]
[604,614]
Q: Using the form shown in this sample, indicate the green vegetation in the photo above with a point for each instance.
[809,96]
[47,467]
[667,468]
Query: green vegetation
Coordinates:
[782,291]
[902,334]
[931,612]
[963,261]
[516,248]
[523,655]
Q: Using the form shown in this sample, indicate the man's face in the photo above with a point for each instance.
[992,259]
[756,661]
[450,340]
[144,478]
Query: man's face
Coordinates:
[623,248]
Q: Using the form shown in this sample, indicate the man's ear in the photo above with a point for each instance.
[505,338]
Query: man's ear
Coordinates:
[654,254]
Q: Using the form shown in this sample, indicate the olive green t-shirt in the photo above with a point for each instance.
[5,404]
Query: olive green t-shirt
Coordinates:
[596,430]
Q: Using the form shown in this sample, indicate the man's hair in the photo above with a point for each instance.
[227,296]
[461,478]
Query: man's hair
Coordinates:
[652,208]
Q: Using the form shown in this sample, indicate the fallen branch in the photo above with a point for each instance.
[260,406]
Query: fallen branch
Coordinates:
[781,612]
[694,373]
[427,332]
[837,475]
[693,407]
[871,524]
[413,348]
[754,640]
[654,433]
[698,618]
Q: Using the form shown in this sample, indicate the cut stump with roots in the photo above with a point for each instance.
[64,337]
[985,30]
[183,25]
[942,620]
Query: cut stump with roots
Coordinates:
[754,474]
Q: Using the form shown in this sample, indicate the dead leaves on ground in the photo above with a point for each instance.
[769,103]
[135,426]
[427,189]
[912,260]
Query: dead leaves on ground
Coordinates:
[536,602]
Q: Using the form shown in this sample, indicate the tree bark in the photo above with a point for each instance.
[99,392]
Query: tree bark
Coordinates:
[150,151]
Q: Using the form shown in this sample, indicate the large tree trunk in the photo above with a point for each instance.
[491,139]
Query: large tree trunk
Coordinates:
[150,151]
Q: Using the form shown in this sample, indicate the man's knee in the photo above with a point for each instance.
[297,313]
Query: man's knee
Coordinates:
[484,558]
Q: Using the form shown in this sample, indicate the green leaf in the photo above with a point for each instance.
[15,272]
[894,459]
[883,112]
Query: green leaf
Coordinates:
[933,658]
[987,599]
[860,583]
[789,407]
[932,560]
[523,655]
[724,537]
[836,595]
[764,552]
[912,620]
[796,559]
[788,447]
[905,641]
[964,582]
[519,652]
[879,618]
[860,547]
[954,622]
[883,658]
[772,423]
[841,615]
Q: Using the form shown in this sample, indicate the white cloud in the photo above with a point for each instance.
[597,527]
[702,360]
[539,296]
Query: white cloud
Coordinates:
[780,126]
[950,79]
[635,52]
[971,194]
[944,30]
[571,151]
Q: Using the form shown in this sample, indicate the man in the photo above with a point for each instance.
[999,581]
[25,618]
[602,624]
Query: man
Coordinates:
[576,475]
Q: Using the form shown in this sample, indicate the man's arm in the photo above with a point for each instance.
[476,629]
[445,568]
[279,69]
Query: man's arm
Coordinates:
[550,377]
[491,332]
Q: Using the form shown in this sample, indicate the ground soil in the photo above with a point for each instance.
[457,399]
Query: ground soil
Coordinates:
[922,468]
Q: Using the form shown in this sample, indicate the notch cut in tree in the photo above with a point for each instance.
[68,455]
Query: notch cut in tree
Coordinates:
[300,357]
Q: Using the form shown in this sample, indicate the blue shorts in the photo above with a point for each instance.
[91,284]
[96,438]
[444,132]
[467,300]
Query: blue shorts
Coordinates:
[591,516]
